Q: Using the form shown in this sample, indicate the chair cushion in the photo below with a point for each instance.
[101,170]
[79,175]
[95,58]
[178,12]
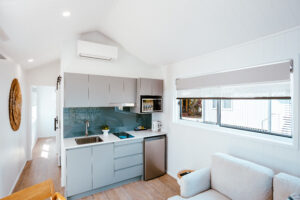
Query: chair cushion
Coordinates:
[284,185]
[240,179]
[207,195]
[210,195]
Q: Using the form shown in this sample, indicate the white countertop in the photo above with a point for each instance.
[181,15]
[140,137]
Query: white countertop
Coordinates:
[69,143]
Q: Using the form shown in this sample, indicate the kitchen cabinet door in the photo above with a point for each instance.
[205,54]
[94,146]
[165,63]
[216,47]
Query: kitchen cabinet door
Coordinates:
[103,165]
[145,86]
[151,87]
[116,90]
[157,87]
[76,90]
[79,170]
[129,90]
[98,91]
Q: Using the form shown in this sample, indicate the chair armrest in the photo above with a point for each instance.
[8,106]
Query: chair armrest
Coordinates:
[58,196]
[195,182]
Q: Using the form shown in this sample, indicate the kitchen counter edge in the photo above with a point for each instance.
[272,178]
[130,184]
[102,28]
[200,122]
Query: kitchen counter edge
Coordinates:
[69,143]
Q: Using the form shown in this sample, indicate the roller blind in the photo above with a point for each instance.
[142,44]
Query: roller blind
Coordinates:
[269,80]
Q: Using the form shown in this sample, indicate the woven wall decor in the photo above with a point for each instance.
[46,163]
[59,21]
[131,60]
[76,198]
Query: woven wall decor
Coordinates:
[15,105]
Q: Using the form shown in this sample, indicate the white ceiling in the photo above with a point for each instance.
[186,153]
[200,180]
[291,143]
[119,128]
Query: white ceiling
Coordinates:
[156,31]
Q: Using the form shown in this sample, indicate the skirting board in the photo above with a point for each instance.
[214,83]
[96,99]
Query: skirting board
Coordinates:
[18,177]
[172,174]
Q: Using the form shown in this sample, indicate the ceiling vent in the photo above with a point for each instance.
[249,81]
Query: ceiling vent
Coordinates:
[2,57]
[96,50]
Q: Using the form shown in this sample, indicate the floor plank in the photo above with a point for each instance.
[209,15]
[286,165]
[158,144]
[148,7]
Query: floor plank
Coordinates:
[44,166]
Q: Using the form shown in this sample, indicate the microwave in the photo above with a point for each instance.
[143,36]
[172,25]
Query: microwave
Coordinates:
[151,104]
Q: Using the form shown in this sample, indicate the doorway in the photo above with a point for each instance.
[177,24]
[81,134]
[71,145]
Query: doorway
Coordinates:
[43,112]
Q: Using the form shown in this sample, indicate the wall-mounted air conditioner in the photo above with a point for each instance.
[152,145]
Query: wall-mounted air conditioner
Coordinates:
[96,50]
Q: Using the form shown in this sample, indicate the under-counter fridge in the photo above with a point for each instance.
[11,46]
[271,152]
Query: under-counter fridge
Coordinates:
[154,157]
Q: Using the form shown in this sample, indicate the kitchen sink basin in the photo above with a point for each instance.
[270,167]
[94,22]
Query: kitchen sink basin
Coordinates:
[87,140]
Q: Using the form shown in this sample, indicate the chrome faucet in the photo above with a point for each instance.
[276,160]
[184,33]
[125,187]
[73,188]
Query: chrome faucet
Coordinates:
[87,124]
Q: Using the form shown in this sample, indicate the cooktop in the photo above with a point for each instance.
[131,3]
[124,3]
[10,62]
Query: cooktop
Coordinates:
[123,135]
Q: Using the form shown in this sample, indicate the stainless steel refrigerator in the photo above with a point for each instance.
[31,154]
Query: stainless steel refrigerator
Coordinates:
[154,157]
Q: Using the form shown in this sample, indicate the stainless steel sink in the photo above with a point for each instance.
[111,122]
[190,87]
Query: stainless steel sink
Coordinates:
[87,140]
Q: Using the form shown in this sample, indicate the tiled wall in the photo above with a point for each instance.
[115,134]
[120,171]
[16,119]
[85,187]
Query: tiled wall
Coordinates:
[74,120]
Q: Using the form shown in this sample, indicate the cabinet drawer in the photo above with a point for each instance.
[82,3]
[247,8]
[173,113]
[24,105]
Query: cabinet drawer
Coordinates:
[128,161]
[124,142]
[128,173]
[128,149]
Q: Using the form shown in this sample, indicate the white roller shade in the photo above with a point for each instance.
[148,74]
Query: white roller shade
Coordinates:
[271,80]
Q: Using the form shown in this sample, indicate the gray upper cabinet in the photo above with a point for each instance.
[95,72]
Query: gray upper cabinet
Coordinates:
[98,91]
[157,87]
[145,86]
[83,90]
[150,87]
[116,90]
[76,90]
[129,90]
[103,165]
[79,171]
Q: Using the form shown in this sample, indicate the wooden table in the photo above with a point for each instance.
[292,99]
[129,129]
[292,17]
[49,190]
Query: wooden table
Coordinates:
[183,171]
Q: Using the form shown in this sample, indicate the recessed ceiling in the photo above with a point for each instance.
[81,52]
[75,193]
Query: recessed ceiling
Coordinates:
[158,32]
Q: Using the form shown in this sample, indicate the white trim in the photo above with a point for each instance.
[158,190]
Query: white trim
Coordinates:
[289,143]
[17,179]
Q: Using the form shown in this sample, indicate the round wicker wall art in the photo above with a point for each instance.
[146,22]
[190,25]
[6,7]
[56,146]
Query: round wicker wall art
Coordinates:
[15,105]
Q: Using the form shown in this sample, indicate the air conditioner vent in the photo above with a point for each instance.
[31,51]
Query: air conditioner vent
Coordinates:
[96,50]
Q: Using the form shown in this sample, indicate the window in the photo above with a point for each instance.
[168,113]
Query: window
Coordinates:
[191,109]
[226,104]
[268,116]
[256,98]
[214,104]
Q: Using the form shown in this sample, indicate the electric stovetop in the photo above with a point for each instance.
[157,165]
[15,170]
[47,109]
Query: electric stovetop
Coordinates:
[123,135]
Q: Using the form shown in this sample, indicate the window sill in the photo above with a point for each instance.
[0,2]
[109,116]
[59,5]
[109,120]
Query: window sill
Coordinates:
[290,143]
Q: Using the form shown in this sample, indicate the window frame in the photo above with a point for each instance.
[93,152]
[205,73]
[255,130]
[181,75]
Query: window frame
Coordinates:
[218,123]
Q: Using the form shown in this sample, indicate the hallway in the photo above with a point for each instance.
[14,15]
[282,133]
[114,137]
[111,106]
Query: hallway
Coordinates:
[43,166]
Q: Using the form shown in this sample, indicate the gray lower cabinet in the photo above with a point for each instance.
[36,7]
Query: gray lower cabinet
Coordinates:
[79,170]
[128,160]
[103,165]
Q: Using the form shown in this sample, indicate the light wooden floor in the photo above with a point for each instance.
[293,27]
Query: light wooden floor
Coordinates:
[44,166]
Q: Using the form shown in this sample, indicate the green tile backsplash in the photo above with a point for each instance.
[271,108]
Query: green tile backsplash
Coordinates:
[118,120]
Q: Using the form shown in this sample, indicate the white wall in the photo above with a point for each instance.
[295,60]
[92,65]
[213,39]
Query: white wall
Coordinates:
[12,144]
[46,111]
[33,121]
[126,65]
[192,146]
[45,75]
